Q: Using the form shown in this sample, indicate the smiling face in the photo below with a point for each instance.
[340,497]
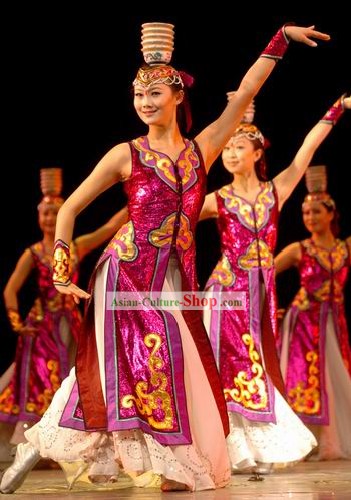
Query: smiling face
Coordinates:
[157,104]
[239,155]
[316,217]
[47,218]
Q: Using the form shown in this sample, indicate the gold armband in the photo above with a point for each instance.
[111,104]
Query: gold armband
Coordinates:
[61,264]
[14,319]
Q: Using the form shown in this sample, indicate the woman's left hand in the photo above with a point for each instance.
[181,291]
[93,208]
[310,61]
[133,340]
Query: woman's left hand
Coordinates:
[304,35]
[72,289]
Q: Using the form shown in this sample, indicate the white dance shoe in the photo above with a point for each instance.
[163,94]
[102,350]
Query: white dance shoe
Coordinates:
[26,458]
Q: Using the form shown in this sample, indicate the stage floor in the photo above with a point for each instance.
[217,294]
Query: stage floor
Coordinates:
[305,481]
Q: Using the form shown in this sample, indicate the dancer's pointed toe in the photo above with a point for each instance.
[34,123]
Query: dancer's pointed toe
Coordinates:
[26,458]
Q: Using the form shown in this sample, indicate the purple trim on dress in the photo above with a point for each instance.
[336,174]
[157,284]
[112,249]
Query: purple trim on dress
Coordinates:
[188,159]
[71,416]
[161,263]
[70,413]
[323,417]
[183,436]
[267,415]
[215,322]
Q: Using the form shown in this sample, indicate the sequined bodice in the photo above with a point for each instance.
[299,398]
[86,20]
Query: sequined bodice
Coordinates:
[164,203]
[323,272]
[248,234]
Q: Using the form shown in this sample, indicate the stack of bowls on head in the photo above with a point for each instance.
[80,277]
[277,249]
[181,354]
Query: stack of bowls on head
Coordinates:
[316,178]
[51,181]
[157,42]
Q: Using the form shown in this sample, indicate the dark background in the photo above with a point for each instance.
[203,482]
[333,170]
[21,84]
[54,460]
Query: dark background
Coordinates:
[66,100]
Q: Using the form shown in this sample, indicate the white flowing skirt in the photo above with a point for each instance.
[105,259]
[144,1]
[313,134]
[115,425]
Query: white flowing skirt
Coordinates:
[251,443]
[334,440]
[280,444]
[202,465]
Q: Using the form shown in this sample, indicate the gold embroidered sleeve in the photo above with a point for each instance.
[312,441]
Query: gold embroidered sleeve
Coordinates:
[61,264]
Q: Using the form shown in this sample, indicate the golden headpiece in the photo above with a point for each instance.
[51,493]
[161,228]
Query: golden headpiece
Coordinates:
[157,47]
[147,76]
[51,187]
[250,131]
[316,183]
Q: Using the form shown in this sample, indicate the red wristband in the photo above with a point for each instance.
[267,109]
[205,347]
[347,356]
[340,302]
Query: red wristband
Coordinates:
[334,113]
[277,46]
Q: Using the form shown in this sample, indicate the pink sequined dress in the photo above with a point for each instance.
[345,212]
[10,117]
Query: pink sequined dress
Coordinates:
[146,393]
[263,427]
[316,356]
[42,362]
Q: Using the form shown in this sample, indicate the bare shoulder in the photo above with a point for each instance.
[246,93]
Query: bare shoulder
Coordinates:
[118,159]
[120,151]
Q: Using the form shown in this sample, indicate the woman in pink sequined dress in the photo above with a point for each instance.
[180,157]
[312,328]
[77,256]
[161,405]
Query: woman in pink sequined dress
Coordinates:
[47,336]
[145,394]
[315,353]
[264,430]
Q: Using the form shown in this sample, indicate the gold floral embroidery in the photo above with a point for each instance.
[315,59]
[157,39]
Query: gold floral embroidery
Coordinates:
[323,293]
[164,166]
[330,260]
[301,300]
[223,273]
[6,405]
[246,390]
[188,163]
[304,399]
[148,402]
[252,216]
[46,397]
[123,243]
[162,236]
[257,254]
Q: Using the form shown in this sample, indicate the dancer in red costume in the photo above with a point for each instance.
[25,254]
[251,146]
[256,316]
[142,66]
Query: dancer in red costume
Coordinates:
[316,355]
[47,336]
[146,394]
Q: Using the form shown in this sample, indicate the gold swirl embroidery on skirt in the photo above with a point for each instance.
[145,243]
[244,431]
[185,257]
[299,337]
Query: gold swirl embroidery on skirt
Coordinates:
[158,398]
[305,397]
[245,389]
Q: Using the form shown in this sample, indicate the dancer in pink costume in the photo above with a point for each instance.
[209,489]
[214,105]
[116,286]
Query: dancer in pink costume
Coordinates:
[145,393]
[47,337]
[316,355]
[264,430]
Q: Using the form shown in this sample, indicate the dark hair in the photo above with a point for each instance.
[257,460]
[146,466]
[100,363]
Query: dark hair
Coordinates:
[334,224]
[260,164]
[183,116]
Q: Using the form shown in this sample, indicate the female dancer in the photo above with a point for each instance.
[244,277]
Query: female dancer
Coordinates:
[316,356]
[146,393]
[244,338]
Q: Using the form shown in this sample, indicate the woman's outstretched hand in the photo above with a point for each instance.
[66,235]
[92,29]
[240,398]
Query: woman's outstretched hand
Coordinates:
[72,289]
[304,35]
